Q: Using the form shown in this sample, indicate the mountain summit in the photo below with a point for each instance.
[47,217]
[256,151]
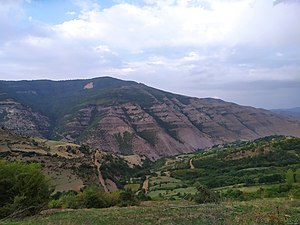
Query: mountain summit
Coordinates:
[131,118]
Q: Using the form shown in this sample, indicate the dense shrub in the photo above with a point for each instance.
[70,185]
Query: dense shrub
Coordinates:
[94,197]
[271,178]
[142,196]
[235,194]
[205,195]
[24,189]
[65,200]
[89,197]
[127,198]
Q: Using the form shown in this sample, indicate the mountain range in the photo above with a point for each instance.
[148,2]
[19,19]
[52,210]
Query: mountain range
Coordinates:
[295,112]
[128,118]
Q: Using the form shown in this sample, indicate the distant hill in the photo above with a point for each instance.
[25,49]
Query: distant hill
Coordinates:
[243,169]
[243,162]
[290,112]
[131,118]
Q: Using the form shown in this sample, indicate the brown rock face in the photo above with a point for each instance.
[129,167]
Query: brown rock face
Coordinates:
[22,120]
[170,126]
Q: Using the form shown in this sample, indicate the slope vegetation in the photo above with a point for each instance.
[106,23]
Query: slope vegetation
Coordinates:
[69,166]
[249,166]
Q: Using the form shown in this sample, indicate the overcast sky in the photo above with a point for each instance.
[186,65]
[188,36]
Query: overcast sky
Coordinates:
[243,51]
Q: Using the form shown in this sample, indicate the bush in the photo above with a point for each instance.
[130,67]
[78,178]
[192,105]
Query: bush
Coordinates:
[142,196]
[65,200]
[234,194]
[127,198]
[270,179]
[89,197]
[94,197]
[24,189]
[205,195]
[296,193]
[284,188]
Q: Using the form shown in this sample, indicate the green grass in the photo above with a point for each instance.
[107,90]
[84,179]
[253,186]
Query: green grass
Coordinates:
[163,179]
[246,189]
[263,161]
[133,187]
[164,187]
[166,194]
[265,211]
[164,183]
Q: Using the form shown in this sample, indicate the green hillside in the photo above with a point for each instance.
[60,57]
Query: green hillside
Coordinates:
[251,166]
[54,98]
[70,166]
[257,182]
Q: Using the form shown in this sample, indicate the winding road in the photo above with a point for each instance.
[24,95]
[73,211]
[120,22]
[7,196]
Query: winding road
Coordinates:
[191,164]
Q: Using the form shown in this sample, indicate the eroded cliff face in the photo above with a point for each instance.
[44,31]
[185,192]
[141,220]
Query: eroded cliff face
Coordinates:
[23,120]
[130,118]
[169,127]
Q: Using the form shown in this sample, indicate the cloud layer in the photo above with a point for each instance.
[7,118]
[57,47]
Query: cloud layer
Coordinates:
[244,51]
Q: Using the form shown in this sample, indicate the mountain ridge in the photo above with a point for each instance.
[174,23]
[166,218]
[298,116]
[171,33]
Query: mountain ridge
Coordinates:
[131,118]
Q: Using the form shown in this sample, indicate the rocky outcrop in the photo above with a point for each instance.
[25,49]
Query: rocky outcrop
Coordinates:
[23,120]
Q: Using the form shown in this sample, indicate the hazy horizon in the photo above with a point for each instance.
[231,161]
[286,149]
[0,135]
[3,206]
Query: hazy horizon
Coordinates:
[242,51]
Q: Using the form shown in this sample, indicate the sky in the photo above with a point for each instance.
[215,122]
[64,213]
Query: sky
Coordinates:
[242,51]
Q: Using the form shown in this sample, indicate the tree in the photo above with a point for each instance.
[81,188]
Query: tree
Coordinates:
[289,177]
[24,189]
[297,175]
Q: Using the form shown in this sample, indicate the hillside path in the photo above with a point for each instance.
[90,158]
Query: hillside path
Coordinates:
[191,164]
[146,184]
[100,177]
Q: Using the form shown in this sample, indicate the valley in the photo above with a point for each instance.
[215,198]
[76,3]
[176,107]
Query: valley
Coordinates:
[239,170]
[139,112]
[108,143]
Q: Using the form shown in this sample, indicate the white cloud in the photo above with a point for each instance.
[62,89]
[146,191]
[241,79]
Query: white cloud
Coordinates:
[37,41]
[186,23]
[177,45]
[265,25]
[71,13]
[132,27]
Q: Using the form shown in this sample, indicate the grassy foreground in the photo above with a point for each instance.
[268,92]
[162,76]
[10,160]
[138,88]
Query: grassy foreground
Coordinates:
[262,211]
